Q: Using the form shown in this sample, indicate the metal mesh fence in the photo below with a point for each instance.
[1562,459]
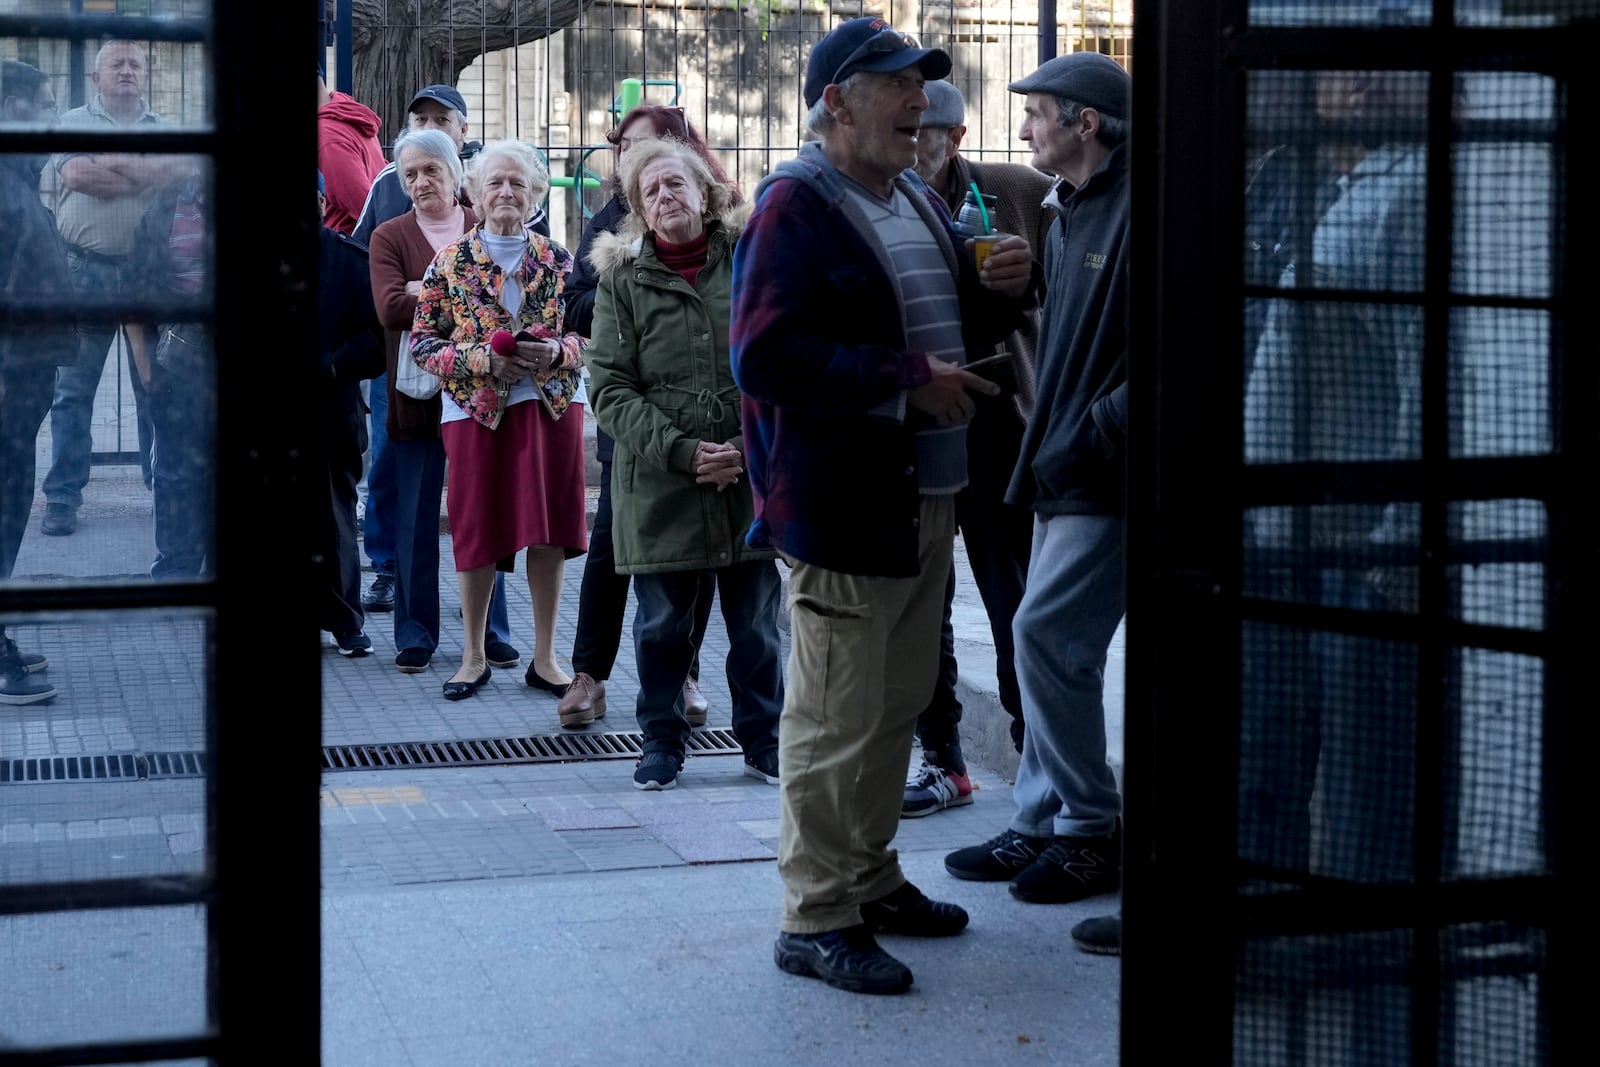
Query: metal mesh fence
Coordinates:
[553,73]
[1401,249]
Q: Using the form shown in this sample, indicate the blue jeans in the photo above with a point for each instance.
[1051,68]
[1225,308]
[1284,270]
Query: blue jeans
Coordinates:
[378,527]
[183,409]
[72,411]
[419,483]
[1076,597]
[663,638]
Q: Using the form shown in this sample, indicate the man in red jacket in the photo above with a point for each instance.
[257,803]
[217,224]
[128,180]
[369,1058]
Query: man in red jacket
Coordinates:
[348,153]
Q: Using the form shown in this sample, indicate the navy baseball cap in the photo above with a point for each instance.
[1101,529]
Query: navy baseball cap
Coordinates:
[444,94]
[867,44]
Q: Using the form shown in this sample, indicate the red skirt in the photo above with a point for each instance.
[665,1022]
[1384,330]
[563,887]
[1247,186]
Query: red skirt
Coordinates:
[518,485]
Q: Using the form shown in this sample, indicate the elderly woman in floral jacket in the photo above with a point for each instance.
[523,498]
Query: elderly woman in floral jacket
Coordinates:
[664,389]
[489,324]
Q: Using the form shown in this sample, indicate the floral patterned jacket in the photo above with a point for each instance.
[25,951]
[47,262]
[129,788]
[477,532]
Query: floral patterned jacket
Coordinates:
[459,310]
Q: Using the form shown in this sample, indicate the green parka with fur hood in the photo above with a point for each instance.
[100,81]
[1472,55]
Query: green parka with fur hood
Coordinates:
[661,383]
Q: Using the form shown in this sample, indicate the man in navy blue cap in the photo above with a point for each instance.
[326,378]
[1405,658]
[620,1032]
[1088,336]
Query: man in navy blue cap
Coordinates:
[434,107]
[854,308]
[1064,842]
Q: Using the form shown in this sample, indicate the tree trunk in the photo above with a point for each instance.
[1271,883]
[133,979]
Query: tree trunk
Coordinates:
[401,45]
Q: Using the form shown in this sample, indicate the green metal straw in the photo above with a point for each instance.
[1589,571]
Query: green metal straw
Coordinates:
[987,228]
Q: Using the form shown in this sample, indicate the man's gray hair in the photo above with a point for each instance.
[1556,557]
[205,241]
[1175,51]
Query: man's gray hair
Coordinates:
[1113,131]
[435,143]
[121,42]
[819,120]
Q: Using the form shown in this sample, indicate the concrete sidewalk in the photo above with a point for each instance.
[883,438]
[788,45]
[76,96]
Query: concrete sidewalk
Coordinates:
[519,914]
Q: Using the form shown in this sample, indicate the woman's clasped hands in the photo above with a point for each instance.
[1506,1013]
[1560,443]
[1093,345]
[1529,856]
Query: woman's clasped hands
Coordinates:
[718,465]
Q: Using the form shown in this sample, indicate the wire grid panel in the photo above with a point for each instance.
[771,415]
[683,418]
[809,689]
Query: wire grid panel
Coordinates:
[1392,731]
[551,73]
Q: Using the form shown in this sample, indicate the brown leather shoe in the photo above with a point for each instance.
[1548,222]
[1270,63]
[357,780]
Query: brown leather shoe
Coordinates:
[694,703]
[583,702]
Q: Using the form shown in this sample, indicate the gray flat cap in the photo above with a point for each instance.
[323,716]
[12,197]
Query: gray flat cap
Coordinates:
[1087,78]
[946,108]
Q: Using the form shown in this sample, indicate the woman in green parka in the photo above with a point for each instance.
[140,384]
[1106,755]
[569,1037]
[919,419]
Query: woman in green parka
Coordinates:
[663,389]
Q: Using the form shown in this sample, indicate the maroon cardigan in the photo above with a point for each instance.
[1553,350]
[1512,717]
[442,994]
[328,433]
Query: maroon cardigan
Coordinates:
[401,253]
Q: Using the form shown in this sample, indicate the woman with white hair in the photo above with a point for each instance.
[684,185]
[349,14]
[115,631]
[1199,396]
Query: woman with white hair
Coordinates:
[430,170]
[489,324]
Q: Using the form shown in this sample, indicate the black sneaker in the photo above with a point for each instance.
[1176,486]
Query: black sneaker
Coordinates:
[763,768]
[1101,935]
[412,660]
[847,959]
[354,645]
[17,688]
[998,859]
[501,653]
[909,911]
[60,520]
[29,661]
[657,770]
[380,594]
[1072,868]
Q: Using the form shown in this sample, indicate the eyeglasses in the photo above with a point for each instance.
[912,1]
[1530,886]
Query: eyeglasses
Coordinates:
[886,40]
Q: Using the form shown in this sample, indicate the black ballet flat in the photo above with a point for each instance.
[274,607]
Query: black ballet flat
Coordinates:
[462,690]
[536,681]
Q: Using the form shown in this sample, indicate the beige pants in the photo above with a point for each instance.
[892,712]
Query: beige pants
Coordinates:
[862,665]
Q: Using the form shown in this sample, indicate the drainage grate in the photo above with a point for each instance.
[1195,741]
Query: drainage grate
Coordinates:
[115,767]
[535,748]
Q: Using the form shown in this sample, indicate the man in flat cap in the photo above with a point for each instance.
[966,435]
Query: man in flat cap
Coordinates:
[996,535]
[854,307]
[1064,842]
[435,107]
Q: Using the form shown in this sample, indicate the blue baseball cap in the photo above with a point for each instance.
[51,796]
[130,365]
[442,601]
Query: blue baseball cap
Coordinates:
[867,44]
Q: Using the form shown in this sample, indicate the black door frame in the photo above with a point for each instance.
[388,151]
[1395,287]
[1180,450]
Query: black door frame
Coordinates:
[261,887]
[1183,919]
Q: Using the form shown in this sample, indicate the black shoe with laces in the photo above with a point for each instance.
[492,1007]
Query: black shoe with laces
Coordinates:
[848,959]
[998,859]
[1071,868]
[380,594]
[909,911]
